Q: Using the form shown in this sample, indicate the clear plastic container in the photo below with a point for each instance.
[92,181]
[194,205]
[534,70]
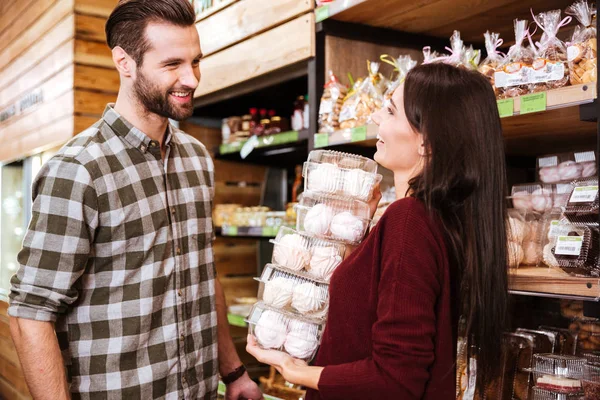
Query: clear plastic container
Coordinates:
[558,373]
[291,291]
[583,204]
[552,336]
[532,197]
[278,330]
[591,382]
[331,179]
[516,231]
[543,394]
[302,252]
[566,341]
[576,250]
[332,217]
[592,357]
[517,355]
[342,160]
[566,167]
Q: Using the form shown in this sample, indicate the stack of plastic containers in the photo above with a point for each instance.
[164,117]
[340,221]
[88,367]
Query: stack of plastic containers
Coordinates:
[557,377]
[294,289]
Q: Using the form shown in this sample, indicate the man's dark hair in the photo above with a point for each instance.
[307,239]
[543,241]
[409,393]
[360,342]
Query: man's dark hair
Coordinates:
[126,25]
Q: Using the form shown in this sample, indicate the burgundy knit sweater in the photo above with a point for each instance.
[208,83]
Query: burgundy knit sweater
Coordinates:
[391,330]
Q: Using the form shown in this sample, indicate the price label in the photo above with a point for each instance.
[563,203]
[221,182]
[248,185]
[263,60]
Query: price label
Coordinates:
[236,320]
[584,194]
[359,134]
[230,231]
[506,107]
[568,245]
[554,228]
[322,13]
[535,102]
[585,156]
[548,161]
[248,147]
[230,147]
[321,140]
[269,231]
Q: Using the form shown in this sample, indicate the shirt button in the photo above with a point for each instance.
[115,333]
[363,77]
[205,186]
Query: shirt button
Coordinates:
[183,379]
[182,337]
[173,210]
[178,250]
[143,148]
[152,144]
[179,293]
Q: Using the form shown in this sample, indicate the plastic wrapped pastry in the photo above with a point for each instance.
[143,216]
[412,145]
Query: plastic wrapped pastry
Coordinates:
[318,219]
[364,101]
[494,57]
[291,252]
[582,50]
[278,291]
[331,104]
[401,65]
[509,78]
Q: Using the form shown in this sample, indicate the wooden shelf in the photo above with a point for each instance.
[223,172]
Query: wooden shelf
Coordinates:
[251,232]
[549,282]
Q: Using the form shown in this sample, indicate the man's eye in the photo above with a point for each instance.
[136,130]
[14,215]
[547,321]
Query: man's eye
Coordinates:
[196,62]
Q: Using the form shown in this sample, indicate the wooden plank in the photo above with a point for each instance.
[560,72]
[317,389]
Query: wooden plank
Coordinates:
[259,55]
[39,76]
[95,78]
[89,27]
[245,19]
[207,13]
[244,195]
[14,376]
[17,45]
[10,10]
[552,281]
[238,287]
[93,53]
[235,256]
[93,103]
[82,122]
[7,391]
[99,8]
[29,23]
[8,352]
[44,137]
[60,34]
[227,171]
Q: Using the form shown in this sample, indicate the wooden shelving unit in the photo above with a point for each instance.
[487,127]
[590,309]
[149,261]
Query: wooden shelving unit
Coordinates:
[549,282]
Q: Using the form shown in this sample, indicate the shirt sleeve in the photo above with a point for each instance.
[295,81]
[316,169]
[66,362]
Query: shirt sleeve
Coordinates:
[58,242]
[403,334]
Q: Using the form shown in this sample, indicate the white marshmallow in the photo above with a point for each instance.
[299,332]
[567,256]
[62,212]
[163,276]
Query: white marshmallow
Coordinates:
[318,219]
[278,292]
[325,178]
[569,170]
[307,298]
[323,262]
[291,252]
[271,330]
[347,227]
[302,341]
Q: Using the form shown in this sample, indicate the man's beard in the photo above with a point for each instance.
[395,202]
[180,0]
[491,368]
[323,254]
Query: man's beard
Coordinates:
[154,100]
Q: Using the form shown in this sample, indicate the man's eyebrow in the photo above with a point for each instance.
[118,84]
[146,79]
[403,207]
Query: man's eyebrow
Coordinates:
[176,60]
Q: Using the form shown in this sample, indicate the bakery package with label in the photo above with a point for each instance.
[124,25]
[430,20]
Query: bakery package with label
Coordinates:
[582,48]
[279,330]
[512,75]
[364,99]
[494,57]
[566,167]
[560,374]
[332,100]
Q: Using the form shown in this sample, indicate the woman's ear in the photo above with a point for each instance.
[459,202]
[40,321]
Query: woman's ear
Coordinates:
[422,146]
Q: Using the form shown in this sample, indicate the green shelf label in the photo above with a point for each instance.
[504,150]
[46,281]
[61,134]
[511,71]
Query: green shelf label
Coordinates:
[321,140]
[534,102]
[230,231]
[236,320]
[321,13]
[228,148]
[269,231]
[279,138]
[359,134]
[506,107]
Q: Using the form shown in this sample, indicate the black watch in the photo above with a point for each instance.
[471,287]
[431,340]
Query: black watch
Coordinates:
[234,375]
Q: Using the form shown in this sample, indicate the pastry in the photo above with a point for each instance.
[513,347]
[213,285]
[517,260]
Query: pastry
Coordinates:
[541,200]
[318,219]
[347,227]
[358,184]
[522,201]
[323,261]
[569,170]
[325,178]
[548,256]
[308,297]
[559,384]
[531,254]
[515,254]
[588,169]
[291,252]
[301,341]
[271,330]
[516,230]
[549,175]
[278,292]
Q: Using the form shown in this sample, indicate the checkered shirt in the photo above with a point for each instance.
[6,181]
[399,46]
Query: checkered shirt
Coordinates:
[119,255]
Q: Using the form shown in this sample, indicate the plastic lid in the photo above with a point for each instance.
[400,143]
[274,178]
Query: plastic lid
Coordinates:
[338,204]
[558,365]
[330,178]
[343,160]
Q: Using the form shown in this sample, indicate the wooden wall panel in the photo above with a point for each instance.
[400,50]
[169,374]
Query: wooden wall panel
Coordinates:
[89,27]
[235,256]
[259,55]
[238,287]
[96,78]
[9,11]
[45,46]
[92,103]
[99,8]
[82,122]
[12,381]
[18,44]
[93,53]
[245,19]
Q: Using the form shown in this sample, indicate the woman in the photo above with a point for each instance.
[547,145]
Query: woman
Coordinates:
[437,253]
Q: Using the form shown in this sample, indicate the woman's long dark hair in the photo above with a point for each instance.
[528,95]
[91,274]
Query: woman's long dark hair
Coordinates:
[464,182]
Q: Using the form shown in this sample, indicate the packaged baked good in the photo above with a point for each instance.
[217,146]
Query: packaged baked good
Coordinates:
[572,309]
[558,373]
[566,341]
[551,335]
[588,331]
[362,102]
[332,217]
[401,65]
[550,69]
[517,357]
[576,252]
[582,49]
[591,382]
[553,226]
[430,56]
[494,57]
[293,291]
[279,330]
[306,255]
[543,394]
[517,230]
[532,197]
[510,78]
[583,204]
[592,357]
[333,172]
[566,167]
[331,104]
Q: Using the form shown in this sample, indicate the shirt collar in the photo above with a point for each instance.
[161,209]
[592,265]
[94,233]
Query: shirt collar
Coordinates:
[130,133]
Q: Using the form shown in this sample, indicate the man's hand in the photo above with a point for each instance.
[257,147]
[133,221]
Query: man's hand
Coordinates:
[243,389]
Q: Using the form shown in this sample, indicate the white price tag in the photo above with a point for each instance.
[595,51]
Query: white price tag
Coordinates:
[568,245]
[548,161]
[326,107]
[554,228]
[584,194]
[585,156]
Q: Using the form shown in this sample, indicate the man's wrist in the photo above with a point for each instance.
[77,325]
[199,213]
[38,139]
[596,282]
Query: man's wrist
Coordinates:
[234,375]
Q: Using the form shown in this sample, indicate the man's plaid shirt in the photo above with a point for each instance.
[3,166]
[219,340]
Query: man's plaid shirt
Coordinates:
[119,254]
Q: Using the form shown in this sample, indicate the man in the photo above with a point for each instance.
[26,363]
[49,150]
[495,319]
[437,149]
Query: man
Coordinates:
[116,270]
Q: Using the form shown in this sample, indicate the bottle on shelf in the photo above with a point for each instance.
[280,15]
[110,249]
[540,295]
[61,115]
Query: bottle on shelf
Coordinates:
[298,116]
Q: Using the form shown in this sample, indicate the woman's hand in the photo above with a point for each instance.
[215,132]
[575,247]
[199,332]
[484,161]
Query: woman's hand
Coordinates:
[374,202]
[293,370]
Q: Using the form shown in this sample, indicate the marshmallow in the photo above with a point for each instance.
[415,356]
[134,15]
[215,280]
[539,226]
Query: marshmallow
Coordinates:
[307,297]
[358,184]
[271,330]
[278,292]
[548,256]
[325,178]
[569,170]
[522,201]
[318,219]
[347,227]
[541,200]
[531,255]
[302,341]
[549,175]
[323,262]
[516,230]
[291,252]
[588,169]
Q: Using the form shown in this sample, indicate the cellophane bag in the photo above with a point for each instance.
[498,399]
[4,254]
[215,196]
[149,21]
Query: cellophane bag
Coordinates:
[331,104]
[494,57]
[550,68]
[509,78]
[361,103]
[582,50]
[429,56]
[401,65]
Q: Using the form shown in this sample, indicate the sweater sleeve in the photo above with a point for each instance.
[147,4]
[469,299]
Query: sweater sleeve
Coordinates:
[403,334]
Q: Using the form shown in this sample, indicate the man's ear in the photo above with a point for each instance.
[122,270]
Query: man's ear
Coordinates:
[124,63]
